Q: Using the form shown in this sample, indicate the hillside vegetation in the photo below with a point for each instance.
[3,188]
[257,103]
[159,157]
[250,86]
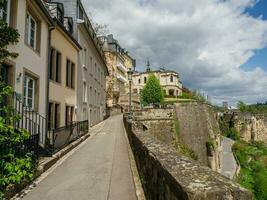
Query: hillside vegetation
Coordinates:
[252,156]
[259,108]
[253,160]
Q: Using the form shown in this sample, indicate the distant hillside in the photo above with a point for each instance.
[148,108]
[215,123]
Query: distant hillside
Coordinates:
[259,108]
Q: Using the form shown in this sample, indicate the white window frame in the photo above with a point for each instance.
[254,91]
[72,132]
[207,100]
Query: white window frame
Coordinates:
[26,95]
[29,19]
[7,12]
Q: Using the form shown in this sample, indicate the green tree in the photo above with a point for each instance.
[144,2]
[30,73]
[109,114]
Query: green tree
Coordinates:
[242,106]
[152,92]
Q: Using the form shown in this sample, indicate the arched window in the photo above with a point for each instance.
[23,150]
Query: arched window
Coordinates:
[139,80]
[171,79]
[145,80]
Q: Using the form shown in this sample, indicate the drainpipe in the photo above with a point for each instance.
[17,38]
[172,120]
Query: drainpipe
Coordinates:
[50,29]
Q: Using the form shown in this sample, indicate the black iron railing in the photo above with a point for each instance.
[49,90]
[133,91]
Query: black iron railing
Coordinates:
[61,137]
[30,120]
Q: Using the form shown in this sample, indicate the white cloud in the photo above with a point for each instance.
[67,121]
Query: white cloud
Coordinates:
[206,41]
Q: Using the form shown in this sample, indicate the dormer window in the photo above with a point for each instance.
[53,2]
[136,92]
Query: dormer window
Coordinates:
[56,10]
[80,12]
[68,24]
[5,11]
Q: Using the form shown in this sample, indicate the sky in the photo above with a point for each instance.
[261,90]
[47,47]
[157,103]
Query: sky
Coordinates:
[217,46]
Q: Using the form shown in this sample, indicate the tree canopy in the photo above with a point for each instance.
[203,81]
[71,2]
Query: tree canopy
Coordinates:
[152,92]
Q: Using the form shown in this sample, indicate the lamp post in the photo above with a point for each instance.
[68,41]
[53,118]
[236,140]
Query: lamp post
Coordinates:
[130,78]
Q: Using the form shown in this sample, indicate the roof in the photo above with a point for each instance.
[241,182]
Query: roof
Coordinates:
[156,71]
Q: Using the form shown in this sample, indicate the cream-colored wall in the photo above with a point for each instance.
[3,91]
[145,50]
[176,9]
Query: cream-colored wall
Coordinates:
[29,59]
[163,77]
[59,93]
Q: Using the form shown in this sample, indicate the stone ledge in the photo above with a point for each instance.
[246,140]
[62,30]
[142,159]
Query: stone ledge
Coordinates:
[167,175]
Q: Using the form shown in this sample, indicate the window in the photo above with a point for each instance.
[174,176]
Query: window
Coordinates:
[145,80]
[80,12]
[139,80]
[5,11]
[55,66]
[84,92]
[31,31]
[91,64]
[171,78]
[29,92]
[84,57]
[85,115]
[70,74]
[69,115]
[54,115]
[91,93]
[95,98]
[135,91]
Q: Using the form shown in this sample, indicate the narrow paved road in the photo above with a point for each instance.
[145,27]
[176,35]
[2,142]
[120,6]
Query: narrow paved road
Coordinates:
[98,170]
[229,164]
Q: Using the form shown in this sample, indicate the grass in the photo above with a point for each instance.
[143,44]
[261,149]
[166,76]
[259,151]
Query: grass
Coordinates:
[253,161]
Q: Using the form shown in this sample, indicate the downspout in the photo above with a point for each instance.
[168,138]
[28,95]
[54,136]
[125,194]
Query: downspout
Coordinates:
[50,29]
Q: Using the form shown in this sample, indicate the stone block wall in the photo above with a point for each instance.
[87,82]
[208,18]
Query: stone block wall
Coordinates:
[157,122]
[167,175]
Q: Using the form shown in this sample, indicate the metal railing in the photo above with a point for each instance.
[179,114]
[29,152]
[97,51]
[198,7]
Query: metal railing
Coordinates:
[30,120]
[61,137]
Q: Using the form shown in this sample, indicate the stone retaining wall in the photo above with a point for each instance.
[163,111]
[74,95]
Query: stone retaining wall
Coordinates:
[167,175]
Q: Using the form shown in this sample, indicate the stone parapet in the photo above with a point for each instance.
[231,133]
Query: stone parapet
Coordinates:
[165,174]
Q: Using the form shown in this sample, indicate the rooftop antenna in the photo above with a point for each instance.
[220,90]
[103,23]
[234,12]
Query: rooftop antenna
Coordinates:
[148,66]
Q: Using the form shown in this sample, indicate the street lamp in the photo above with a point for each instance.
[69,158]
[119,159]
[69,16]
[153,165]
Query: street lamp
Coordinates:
[130,78]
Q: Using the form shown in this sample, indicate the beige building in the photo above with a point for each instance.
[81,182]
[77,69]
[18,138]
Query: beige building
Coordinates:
[62,69]
[169,80]
[119,62]
[28,72]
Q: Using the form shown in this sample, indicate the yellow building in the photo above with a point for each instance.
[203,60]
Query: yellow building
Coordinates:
[119,62]
[63,70]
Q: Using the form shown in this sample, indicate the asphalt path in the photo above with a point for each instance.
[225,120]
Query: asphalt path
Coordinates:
[98,170]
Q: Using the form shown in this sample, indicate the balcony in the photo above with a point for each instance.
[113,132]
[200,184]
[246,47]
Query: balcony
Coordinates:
[122,78]
[121,67]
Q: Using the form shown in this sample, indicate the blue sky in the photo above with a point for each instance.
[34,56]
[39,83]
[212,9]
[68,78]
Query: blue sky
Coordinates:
[260,58]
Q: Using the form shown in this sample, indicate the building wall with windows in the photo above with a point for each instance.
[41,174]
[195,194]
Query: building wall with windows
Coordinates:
[169,80]
[28,72]
[63,78]
[91,70]
[119,63]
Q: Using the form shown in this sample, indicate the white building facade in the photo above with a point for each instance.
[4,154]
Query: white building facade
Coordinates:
[169,80]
